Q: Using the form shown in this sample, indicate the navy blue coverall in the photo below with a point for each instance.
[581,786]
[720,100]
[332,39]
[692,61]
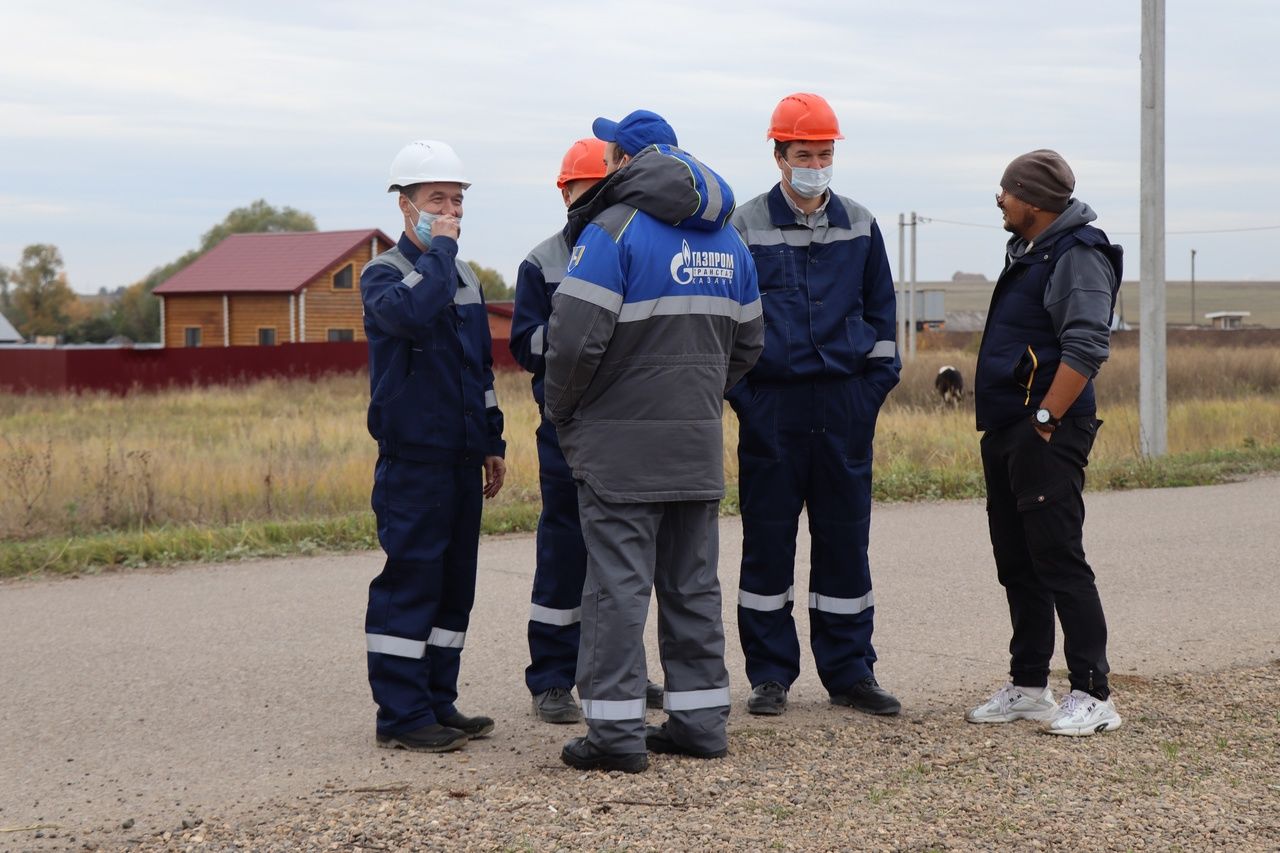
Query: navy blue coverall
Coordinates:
[555,613]
[435,416]
[808,411]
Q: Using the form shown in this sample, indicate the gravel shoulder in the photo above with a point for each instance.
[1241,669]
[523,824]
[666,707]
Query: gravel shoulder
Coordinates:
[1196,766]
[232,698]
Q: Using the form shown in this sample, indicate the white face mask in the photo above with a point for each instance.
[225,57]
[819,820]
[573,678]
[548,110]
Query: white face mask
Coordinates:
[810,183]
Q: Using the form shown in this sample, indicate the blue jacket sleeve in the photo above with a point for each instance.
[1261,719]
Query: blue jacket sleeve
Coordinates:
[529,318]
[406,307]
[880,310]
[494,420]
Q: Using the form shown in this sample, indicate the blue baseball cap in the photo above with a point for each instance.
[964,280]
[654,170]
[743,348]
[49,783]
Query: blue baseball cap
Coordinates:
[637,131]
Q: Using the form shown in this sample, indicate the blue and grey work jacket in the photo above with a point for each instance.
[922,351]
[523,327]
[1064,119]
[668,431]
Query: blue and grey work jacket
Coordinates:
[658,314]
[430,356]
[827,292]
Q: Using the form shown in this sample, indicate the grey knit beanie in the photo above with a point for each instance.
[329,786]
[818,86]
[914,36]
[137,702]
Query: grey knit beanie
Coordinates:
[1040,178]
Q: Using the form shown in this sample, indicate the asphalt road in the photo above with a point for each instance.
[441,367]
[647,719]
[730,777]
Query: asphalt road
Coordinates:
[158,696]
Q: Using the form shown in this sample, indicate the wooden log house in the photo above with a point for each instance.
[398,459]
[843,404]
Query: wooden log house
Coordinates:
[268,289]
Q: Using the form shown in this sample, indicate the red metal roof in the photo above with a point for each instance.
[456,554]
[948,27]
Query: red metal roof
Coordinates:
[268,263]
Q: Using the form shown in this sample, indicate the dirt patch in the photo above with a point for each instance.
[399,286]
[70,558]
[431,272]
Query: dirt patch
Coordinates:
[1196,766]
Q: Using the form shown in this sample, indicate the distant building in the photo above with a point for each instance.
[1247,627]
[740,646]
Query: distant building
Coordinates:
[268,289]
[1226,319]
[8,334]
[968,276]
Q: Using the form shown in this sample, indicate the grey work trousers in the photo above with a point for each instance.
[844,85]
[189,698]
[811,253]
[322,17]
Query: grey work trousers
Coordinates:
[634,549]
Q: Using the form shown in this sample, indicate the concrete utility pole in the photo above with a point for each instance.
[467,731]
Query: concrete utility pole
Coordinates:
[1193,287]
[902,283]
[911,302]
[1153,404]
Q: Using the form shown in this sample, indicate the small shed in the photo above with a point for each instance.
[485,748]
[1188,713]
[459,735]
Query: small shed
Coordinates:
[1226,319]
[268,289]
[8,334]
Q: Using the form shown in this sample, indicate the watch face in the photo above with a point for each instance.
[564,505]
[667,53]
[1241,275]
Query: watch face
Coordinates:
[1043,416]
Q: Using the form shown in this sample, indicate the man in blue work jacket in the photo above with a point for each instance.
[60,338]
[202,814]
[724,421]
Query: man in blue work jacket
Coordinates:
[555,613]
[808,413]
[435,416]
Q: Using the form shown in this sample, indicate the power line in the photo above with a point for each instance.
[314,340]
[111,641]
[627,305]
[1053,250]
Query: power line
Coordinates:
[1118,233]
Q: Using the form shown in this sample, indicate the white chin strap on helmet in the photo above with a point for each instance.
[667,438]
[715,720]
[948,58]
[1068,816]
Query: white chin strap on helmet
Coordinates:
[426,161]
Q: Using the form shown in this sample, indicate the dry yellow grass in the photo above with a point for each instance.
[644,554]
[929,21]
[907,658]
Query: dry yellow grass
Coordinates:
[73,465]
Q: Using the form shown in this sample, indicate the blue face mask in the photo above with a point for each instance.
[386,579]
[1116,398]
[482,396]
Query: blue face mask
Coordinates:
[810,183]
[423,228]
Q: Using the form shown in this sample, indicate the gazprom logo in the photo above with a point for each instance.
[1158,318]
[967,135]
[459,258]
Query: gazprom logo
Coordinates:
[690,267]
[576,257]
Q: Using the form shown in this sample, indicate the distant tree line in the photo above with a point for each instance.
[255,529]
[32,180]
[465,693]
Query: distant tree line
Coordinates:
[38,300]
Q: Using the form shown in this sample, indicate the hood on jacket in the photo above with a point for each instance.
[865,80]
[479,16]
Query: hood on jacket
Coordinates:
[1075,214]
[665,182]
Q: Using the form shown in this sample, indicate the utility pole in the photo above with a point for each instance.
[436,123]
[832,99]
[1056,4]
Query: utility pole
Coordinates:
[902,283]
[1193,287]
[911,302]
[1152,379]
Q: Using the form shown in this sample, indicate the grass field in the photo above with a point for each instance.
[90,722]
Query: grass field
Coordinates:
[1260,298]
[277,467]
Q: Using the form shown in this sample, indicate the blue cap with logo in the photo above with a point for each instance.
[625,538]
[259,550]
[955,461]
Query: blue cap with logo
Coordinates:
[637,131]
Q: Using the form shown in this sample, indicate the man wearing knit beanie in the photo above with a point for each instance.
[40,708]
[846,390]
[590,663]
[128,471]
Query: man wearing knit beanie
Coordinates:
[1047,334]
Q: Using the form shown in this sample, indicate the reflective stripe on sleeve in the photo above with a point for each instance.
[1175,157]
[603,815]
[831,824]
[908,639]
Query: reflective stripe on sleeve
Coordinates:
[491,399]
[693,700]
[752,601]
[613,709]
[551,616]
[465,295]
[412,278]
[587,291]
[537,341]
[883,349]
[400,647]
[443,639]
[842,606]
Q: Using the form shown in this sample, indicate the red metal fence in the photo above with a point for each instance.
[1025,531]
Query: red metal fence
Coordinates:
[123,369]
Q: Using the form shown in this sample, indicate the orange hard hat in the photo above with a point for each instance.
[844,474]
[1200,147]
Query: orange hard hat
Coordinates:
[583,160]
[803,116]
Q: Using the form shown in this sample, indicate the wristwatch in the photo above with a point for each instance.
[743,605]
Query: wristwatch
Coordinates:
[1045,421]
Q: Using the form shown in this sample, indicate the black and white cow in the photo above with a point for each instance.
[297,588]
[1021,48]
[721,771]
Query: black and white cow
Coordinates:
[950,385]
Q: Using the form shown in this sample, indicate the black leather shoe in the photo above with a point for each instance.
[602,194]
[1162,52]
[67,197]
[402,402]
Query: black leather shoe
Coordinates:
[432,738]
[767,700]
[556,706]
[653,695]
[584,755]
[474,727]
[658,739]
[869,697]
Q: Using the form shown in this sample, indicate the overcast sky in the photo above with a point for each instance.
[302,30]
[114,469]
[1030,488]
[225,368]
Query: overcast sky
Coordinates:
[128,129]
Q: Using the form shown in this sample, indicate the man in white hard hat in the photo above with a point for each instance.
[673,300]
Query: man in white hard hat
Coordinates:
[555,612]
[435,416]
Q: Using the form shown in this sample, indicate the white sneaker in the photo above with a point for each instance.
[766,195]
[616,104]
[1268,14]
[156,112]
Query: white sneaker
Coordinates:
[1081,715]
[1011,703]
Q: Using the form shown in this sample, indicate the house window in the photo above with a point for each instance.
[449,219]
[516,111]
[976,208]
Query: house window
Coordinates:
[343,278]
[266,337]
[191,336]
[341,335]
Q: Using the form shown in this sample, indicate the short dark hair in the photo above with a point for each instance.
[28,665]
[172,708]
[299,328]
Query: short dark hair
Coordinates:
[411,191]
[614,152]
[780,147]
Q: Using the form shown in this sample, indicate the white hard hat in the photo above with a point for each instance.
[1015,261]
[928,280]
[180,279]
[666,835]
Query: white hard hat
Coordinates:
[426,161]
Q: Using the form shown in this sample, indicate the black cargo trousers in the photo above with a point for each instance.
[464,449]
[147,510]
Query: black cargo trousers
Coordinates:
[1035,510]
